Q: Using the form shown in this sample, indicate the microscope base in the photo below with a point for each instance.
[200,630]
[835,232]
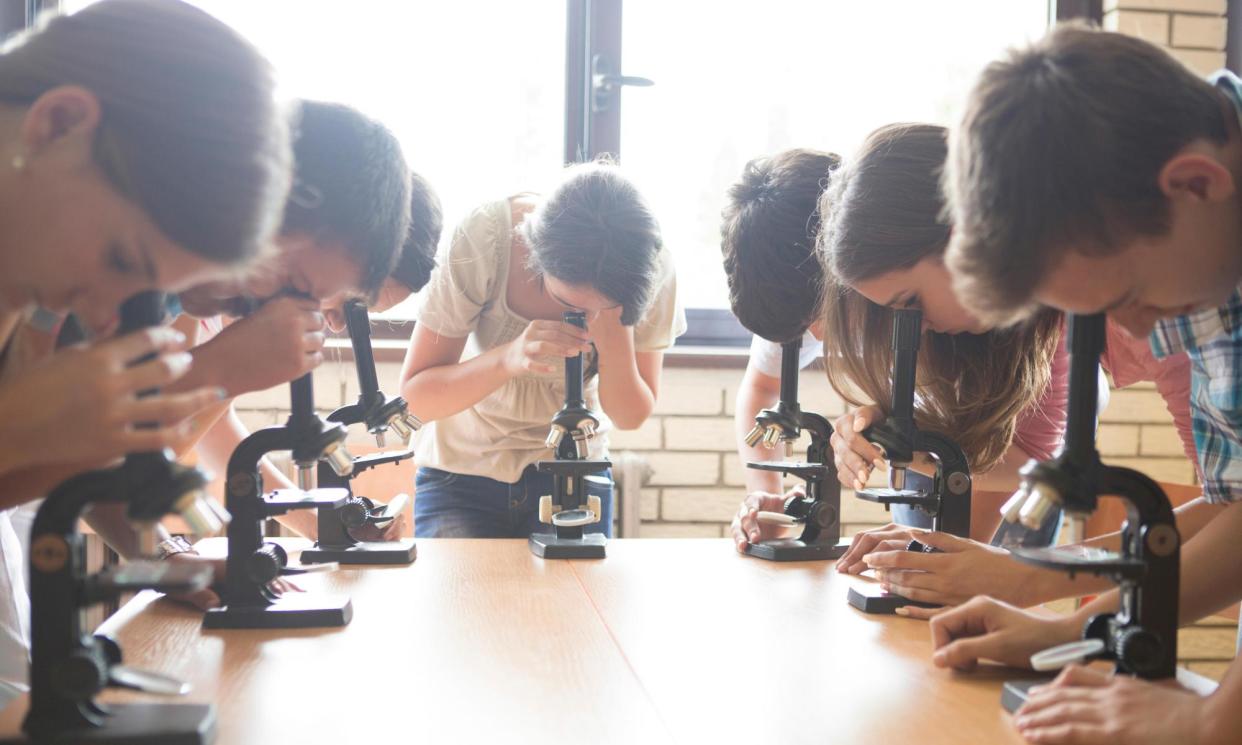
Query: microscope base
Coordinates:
[378,552]
[791,549]
[140,724]
[879,602]
[296,610]
[550,546]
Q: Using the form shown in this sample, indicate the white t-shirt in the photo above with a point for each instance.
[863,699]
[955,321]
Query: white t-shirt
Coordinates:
[766,355]
[14,614]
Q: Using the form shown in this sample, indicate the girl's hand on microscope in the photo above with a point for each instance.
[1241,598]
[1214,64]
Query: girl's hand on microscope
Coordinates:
[958,571]
[540,343]
[747,528]
[286,335]
[1091,706]
[987,629]
[856,458]
[80,404]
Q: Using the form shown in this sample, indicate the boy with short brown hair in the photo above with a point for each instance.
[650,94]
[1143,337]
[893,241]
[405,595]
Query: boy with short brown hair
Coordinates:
[1093,173]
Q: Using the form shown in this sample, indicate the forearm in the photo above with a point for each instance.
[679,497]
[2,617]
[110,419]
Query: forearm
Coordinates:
[751,399]
[1211,571]
[23,485]
[624,396]
[1223,713]
[109,521]
[444,390]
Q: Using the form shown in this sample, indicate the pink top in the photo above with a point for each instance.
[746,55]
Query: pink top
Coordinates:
[1041,429]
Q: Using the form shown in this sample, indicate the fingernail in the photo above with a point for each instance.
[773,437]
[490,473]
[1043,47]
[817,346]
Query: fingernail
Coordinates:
[878,463]
[858,425]
[867,559]
[901,610]
[180,362]
[862,476]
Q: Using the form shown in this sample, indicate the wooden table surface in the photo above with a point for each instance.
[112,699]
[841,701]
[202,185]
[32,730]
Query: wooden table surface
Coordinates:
[663,641]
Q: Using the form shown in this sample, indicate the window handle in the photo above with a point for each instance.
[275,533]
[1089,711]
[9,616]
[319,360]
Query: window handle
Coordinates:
[606,85]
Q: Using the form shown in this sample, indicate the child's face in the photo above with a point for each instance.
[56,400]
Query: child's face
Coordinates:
[925,286]
[1195,265]
[390,293]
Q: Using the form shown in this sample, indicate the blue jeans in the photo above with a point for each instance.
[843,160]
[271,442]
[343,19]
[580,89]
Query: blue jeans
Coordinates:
[454,505]
[1007,535]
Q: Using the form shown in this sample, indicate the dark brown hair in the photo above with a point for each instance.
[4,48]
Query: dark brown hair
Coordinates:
[189,131]
[883,213]
[1060,149]
[418,255]
[767,239]
[352,185]
[595,229]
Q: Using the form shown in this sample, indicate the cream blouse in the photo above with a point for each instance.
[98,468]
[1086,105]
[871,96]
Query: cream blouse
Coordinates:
[504,433]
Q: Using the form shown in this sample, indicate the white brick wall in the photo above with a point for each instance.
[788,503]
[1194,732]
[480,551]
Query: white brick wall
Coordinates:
[1193,31]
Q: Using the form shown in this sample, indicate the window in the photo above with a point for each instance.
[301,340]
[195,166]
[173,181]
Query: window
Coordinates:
[474,89]
[739,79]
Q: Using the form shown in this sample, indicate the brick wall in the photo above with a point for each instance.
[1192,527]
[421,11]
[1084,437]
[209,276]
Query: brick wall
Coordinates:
[1191,30]
[696,481]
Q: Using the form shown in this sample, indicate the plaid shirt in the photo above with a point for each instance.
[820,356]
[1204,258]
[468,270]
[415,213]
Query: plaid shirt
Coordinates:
[1213,340]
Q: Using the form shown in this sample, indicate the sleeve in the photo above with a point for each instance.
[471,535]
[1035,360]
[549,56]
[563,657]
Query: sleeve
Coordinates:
[1041,428]
[665,320]
[1131,360]
[463,283]
[765,356]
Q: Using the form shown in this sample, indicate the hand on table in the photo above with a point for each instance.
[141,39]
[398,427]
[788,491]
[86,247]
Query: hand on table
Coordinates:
[958,571]
[747,528]
[207,598]
[390,531]
[987,629]
[1089,707]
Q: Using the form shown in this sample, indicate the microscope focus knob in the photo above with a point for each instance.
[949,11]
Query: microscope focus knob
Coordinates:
[264,565]
[355,512]
[81,675]
[1139,650]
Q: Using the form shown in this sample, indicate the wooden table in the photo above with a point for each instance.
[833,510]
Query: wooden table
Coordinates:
[663,641]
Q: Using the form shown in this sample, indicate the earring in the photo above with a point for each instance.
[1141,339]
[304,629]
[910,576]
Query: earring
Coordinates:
[18,162]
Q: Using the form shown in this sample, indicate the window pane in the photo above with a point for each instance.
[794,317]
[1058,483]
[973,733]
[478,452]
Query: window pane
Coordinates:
[737,79]
[473,88]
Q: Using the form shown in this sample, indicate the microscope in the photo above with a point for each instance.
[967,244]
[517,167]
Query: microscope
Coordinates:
[380,414]
[1141,637]
[68,667]
[569,508]
[819,511]
[252,564]
[947,499]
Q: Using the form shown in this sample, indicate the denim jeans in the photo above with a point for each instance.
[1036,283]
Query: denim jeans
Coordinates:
[454,505]
[1007,535]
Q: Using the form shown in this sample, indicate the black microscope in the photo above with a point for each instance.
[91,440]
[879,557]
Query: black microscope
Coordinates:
[819,511]
[68,667]
[252,564]
[947,499]
[569,508]
[1141,637]
[380,414]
